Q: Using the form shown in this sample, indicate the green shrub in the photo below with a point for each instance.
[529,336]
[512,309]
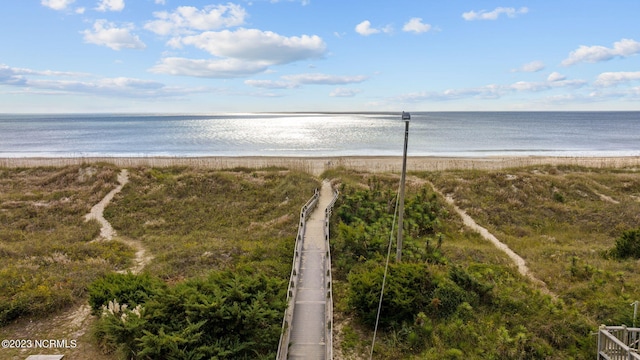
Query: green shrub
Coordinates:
[470,283]
[127,289]
[627,245]
[407,292]
[228,315]
[447,297]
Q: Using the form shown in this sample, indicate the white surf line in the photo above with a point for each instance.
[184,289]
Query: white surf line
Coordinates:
[97,211]
[517,259]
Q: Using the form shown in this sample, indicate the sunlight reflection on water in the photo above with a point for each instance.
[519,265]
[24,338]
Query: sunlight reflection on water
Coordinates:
[440,134]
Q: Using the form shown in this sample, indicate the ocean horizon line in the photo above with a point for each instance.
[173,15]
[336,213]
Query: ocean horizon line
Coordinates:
[329,112]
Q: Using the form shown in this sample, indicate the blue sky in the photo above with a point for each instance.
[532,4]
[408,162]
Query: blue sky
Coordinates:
[192,56]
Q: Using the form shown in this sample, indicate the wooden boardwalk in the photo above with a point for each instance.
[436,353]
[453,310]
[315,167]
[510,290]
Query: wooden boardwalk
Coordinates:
[310,305]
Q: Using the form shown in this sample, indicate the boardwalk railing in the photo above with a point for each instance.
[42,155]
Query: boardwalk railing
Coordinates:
[618,343]
[283,346]
[329,279]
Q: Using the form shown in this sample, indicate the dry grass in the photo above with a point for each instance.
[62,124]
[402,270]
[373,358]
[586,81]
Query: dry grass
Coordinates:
[562,220]
[47,257]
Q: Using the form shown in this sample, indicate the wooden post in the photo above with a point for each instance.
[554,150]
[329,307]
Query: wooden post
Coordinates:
[406,117]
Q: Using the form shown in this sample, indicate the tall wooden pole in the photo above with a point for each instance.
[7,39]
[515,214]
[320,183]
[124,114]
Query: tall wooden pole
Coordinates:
[406,117]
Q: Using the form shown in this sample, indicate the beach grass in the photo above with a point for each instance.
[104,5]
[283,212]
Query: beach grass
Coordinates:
[190,221]
[563,219]
[47,257]
[197,220]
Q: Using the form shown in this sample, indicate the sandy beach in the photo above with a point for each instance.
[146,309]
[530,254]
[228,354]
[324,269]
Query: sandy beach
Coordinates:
[316,165]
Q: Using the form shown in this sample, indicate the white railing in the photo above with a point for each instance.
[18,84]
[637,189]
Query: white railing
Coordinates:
[618,343]
[283,346]
[329,302]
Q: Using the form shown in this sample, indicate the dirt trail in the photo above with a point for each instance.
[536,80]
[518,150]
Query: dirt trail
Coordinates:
[74,323]
[97,211]
[78,317]
[141,258]
[517,259]
[107,233]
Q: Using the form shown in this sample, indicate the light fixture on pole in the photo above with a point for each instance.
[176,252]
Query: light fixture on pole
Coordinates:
[406,117]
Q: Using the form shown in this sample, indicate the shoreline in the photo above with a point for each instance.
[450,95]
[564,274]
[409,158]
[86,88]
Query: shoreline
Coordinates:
[316,165]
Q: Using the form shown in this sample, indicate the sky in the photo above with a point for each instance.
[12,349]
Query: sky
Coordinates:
[193,56]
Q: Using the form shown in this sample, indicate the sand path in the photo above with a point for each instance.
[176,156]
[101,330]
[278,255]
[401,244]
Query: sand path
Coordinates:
[517,259]
[108,233]
[97,211]
[77,317]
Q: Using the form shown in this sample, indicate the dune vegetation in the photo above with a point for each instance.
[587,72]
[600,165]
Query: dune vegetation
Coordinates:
[219,246]
[454,295]
[47,256]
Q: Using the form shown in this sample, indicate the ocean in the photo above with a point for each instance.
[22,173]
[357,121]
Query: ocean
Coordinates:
[455,134]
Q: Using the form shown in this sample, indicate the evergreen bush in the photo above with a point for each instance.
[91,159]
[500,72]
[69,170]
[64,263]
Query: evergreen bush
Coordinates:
[407,292]
[129,289]
[628,245]
[228,315]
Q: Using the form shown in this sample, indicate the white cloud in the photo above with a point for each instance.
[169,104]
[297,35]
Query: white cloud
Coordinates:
[303,2]
[110,5]
[187,19]
[11,76]
[593,54]
[528,86]
[237,53]
[494,14]
[416,25]
[344,92]
[295,81]
[533,66]
[161,2]
[108,34]
[80,10]
[207,68]
[615,78]
[257,45]
[112,87]
[59,82]
[324,79]
[556,76]
[270,84]
[365,29]
[7,72]
[555,80]
[57,4]
[493,91]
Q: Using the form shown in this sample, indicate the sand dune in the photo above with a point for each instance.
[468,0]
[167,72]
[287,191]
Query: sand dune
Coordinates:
[316,165]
